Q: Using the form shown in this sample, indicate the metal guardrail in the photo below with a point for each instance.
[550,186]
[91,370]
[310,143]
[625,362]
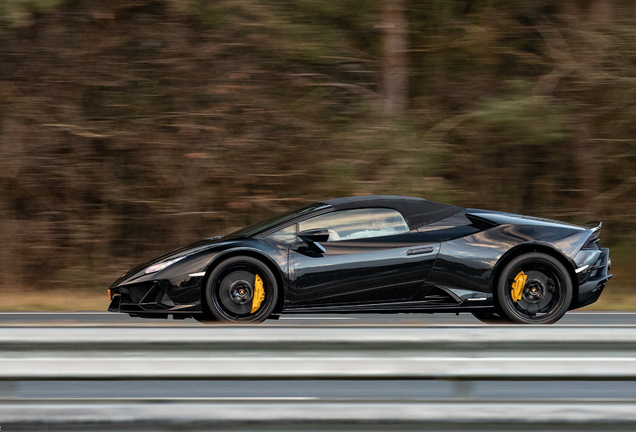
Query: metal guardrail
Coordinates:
[262,353]
[319,416]
[330,353]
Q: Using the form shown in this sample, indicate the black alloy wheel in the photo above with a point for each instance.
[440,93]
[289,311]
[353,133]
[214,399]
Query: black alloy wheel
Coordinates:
[534,288]
[241,290]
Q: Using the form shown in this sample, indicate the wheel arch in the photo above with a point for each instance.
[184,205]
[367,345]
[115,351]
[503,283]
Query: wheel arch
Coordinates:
[528,248]
[264,258]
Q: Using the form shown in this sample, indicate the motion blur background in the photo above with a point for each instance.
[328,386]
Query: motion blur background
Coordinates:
[129,127]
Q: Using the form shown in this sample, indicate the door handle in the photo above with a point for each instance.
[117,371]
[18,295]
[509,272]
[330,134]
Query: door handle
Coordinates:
[419,251]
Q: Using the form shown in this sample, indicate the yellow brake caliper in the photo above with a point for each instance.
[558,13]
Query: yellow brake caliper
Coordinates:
[259,294]
[517,286]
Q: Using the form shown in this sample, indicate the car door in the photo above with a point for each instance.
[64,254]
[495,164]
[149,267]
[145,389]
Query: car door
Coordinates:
[371,258]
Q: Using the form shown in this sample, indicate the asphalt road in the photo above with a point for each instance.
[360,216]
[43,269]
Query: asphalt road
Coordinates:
[574,318]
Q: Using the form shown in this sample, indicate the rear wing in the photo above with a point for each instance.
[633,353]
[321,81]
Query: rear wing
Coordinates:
[592,242]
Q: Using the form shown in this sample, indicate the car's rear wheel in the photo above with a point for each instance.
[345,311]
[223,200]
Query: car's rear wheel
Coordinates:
[534,288]
[491,318]
[241,290]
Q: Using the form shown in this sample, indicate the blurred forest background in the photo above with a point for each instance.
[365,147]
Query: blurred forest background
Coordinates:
[128,127]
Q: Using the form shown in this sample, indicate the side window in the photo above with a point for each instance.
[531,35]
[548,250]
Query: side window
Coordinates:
[285,235]
[355,224]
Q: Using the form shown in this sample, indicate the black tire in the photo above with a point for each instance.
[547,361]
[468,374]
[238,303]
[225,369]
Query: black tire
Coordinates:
[491,318]
[546,294]
[230,289]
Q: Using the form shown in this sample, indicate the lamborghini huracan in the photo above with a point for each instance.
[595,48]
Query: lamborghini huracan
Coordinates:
[376,254]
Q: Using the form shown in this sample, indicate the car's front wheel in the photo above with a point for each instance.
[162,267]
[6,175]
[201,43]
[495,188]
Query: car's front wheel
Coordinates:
[534,288]
[241,290]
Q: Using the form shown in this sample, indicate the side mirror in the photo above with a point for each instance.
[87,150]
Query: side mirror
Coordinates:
[314,235]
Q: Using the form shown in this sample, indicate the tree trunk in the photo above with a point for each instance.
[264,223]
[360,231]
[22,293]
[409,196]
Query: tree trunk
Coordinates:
[395,33]
[586,150]
[586,160]
[600,14]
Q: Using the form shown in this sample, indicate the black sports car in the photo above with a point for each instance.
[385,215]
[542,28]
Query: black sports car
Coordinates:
[380,254]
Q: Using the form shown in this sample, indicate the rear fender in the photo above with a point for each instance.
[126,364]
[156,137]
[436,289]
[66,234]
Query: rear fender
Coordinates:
[545,248]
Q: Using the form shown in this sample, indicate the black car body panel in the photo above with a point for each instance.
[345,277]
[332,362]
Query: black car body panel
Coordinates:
[362,271]
[447,259]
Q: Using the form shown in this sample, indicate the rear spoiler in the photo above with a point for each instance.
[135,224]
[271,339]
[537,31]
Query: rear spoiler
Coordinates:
[592,241]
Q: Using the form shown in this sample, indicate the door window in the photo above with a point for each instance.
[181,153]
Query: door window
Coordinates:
[357,224]
[285,235]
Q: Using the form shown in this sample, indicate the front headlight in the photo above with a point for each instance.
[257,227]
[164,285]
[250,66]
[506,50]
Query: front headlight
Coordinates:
[162,265]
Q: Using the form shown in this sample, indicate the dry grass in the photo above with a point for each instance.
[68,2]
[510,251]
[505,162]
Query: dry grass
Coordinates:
[610,301]
[53,300]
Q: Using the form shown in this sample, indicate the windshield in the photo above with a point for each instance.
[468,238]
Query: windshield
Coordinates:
[271,222]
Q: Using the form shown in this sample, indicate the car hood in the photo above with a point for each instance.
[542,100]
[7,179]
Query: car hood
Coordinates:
[191,249]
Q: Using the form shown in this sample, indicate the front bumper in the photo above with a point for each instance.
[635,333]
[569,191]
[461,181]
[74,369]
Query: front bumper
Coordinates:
[157,298]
